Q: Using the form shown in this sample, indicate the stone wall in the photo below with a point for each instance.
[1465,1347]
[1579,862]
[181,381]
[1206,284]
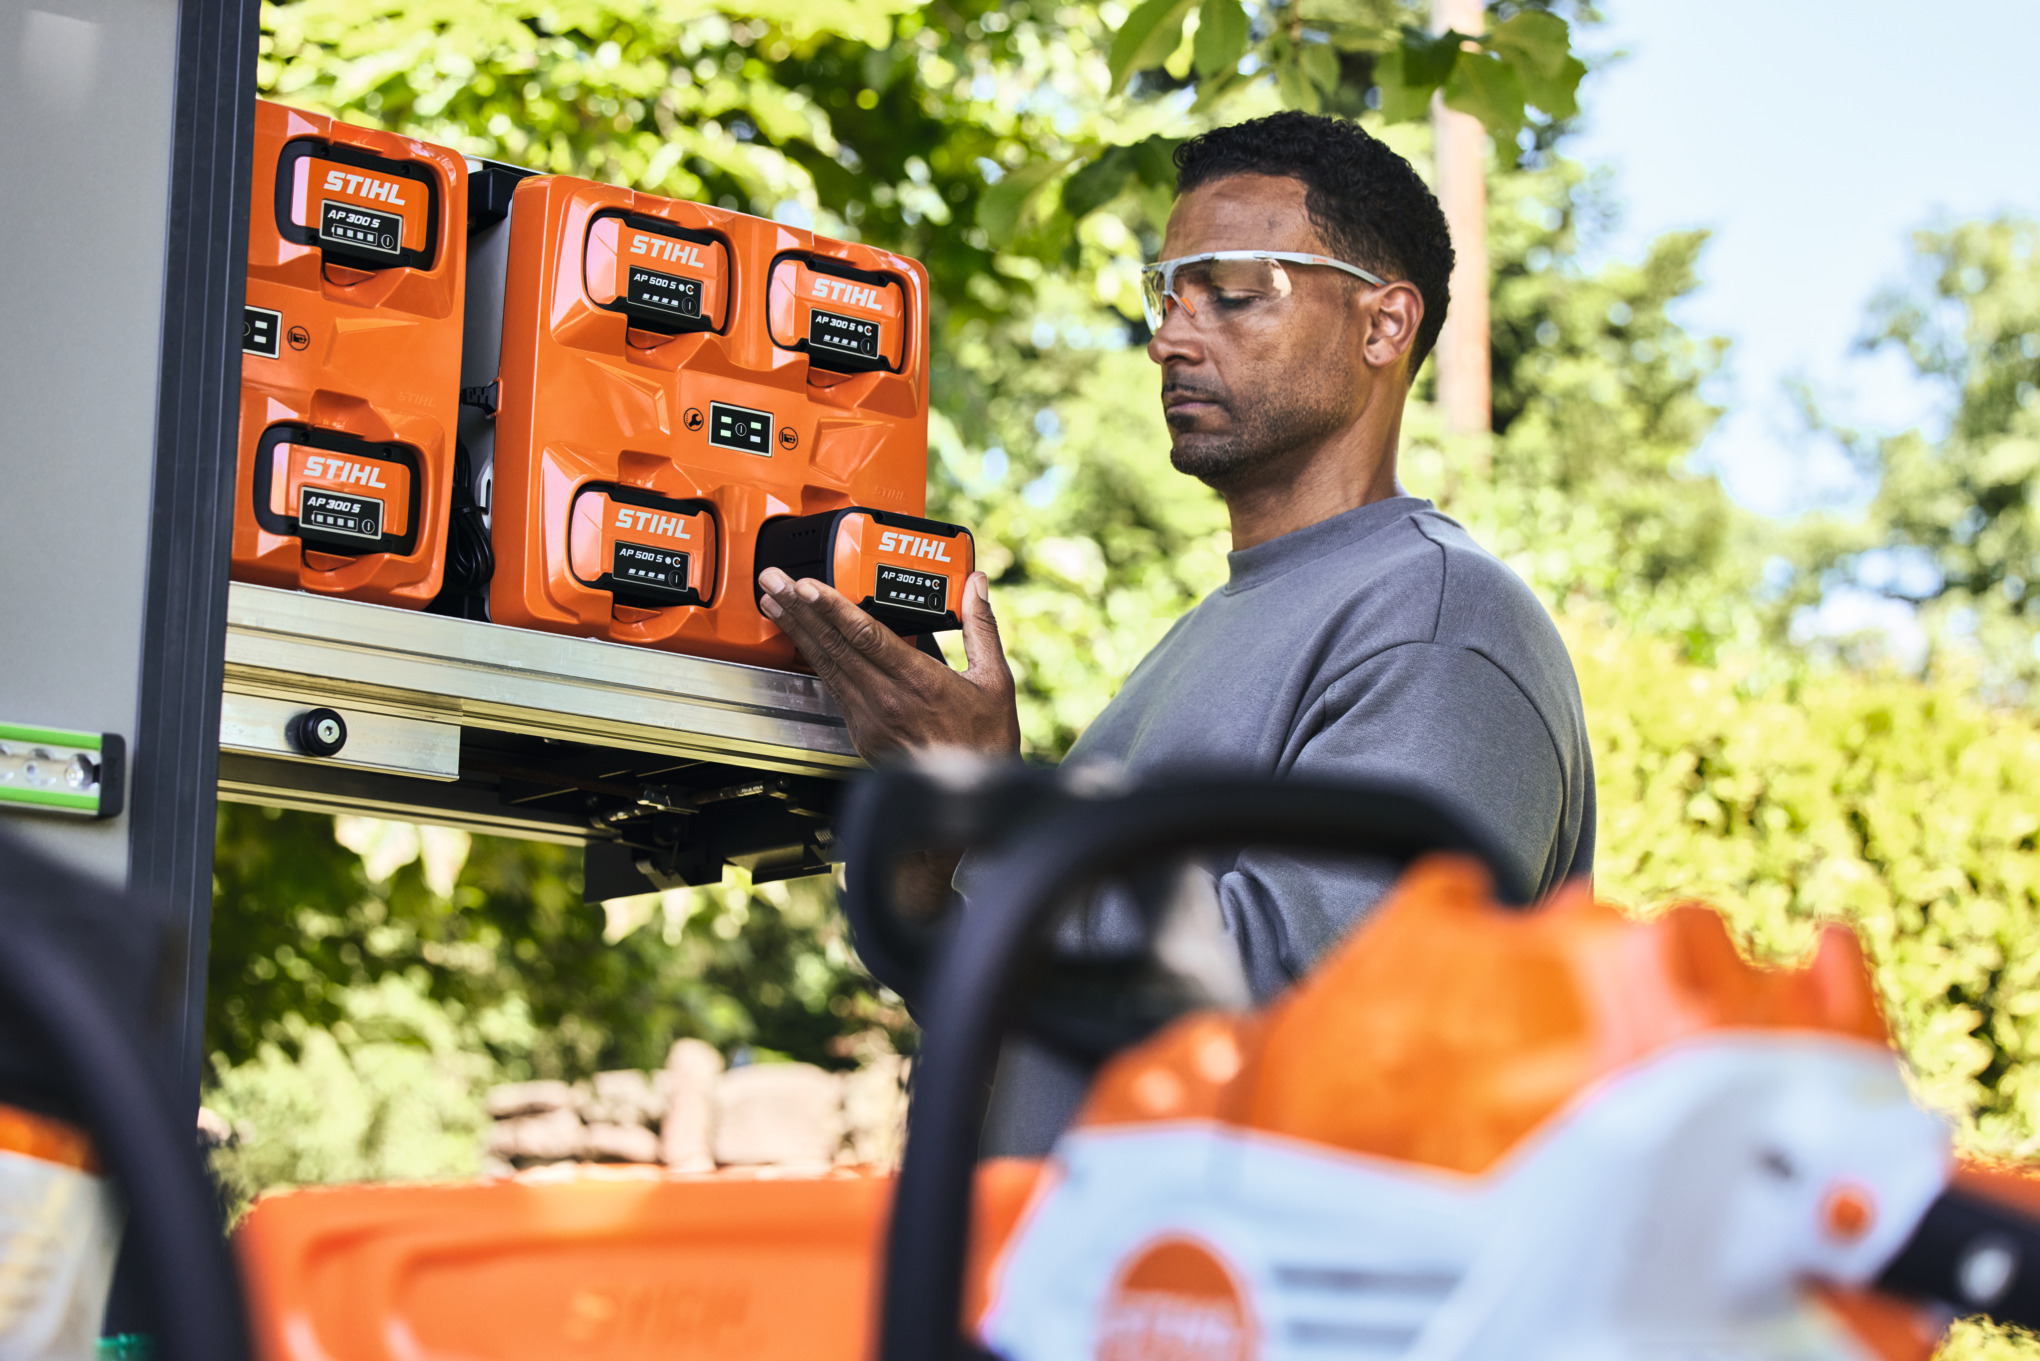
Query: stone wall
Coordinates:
[694,1116]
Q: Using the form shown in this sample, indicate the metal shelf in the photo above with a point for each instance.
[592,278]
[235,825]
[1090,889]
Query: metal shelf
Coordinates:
[510,730]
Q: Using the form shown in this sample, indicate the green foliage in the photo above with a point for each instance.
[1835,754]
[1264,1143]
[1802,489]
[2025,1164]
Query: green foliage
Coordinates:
[391,1091]
[1969,502]
[1597,409]
[1910,811]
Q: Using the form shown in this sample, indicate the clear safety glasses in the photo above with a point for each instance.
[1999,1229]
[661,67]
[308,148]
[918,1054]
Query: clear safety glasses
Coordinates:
[1221,283]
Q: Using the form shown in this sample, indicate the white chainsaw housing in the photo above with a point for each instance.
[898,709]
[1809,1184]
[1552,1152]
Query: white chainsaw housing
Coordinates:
[1670,1212]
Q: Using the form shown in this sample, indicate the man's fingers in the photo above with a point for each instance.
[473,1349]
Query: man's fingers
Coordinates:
[835,658]
[834,613]
[984,654]
[842,642]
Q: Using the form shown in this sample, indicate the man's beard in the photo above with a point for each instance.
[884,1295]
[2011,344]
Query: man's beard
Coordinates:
[1260,435]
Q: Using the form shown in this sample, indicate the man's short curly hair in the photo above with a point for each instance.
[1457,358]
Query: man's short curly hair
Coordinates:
[1365,201]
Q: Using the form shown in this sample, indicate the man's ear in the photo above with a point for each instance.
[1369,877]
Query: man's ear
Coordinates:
[1394,314]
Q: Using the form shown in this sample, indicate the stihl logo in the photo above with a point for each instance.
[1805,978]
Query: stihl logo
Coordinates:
[652,522]
[665,248]
[365,186]
[857,295]
[344,471]
[913,545]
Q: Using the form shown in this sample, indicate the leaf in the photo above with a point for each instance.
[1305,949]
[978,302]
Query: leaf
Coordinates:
[1295,87]
[1002,206]
[1486,86]
[864,21]
[1410,72]
[1321,64]
[1149,35]
[1221,41]
[1428,58]
[1538,46]
[1155,160]
[1534,40]
[1098,183]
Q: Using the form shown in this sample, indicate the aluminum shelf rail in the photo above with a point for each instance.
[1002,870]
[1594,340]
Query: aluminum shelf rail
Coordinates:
[431,701]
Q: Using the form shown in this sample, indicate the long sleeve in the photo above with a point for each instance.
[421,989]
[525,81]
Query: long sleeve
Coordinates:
[1443,719]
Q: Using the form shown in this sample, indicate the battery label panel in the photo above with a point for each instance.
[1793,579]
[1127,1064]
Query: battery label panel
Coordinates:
[665,292]
[355,207]
[651,272]
[911,590]
[851,335]
[343,224]
[350,495]
[328,513]
[642,565]
[646,550]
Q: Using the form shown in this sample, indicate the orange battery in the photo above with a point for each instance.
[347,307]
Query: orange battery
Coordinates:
[646,551]
[905,571]
[641,357]
[844,319]
[350,365]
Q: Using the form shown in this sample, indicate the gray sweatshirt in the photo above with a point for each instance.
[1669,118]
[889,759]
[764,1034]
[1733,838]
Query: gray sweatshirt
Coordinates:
[1381,643]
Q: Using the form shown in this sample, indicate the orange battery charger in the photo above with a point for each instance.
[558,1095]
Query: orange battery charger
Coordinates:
[673,377]
[904,571]
[350,360]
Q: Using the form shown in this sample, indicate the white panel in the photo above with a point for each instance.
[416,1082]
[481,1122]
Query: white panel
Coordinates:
[85,101]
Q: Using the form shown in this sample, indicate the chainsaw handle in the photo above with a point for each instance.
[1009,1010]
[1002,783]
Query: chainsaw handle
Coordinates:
[173,1219]
[974,989]
[897,810]
[1974,1255]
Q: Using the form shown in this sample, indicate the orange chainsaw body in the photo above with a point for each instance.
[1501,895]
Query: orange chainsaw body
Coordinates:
[1440,1051]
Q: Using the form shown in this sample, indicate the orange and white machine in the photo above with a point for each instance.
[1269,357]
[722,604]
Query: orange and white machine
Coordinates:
[350,360]
[1476,1131]
[673,378]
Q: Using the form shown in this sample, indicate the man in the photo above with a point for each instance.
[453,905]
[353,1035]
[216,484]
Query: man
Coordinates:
[1361,633]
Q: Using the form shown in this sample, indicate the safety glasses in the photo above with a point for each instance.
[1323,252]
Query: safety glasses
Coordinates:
[1224,283]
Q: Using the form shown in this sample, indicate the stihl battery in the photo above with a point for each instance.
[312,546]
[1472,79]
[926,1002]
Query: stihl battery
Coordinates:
[904,571]
[844,319]
[350,360]
[646,551]
[646,367]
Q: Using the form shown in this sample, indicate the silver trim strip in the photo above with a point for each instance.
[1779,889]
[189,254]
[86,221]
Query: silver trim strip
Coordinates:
[308,649]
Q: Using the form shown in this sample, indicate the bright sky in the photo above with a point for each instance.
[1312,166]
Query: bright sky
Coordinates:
[1812,136]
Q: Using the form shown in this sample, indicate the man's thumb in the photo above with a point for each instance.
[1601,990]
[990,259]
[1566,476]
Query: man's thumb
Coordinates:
[983,654]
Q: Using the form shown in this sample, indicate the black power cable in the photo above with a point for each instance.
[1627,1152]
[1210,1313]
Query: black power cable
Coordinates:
[470,560]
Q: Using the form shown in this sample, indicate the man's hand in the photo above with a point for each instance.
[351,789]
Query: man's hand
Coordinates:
[895,698]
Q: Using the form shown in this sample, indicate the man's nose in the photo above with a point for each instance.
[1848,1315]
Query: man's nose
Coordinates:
[1176,338]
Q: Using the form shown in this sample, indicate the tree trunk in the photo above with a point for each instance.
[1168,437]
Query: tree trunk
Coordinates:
[1461,151]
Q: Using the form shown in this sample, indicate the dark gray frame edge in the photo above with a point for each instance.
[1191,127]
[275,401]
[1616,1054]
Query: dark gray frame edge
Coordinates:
[173,796]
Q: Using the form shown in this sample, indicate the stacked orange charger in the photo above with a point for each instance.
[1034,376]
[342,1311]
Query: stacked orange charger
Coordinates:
[681,396]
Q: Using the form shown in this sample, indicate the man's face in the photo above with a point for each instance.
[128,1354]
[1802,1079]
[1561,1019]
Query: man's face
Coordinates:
[1243,388]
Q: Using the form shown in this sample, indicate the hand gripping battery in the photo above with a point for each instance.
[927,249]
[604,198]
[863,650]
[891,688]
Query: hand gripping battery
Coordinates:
[350,360]
[673,378]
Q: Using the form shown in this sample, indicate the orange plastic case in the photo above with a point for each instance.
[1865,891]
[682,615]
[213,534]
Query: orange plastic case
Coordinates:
[350,365]
[611,1264]
[905,571]
[639,357]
